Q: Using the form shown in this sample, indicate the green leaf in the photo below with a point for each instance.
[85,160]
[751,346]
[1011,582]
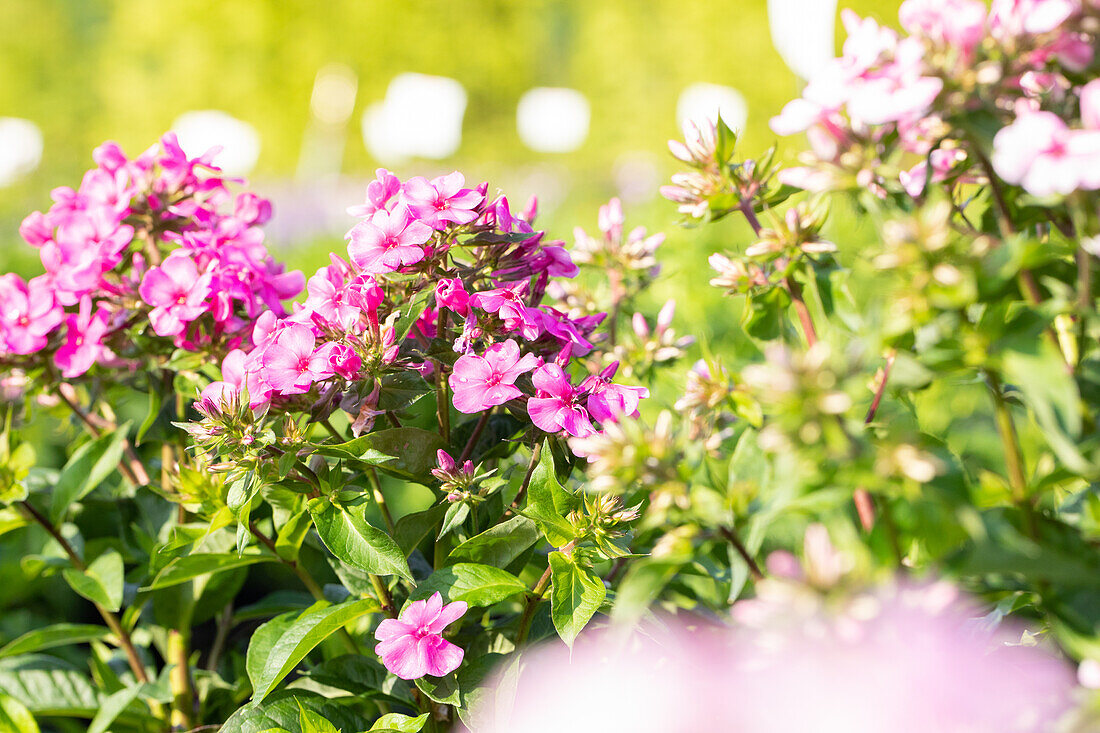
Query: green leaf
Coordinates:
[279,645]
[412,528]
[455,516]
[155,400]
[548,502]
[398,723]
[282,711]
[477,585]
[291,535]
[498,546]
[89,466]
[348,535]
[186,568]
[726,142]
[113,706]
[15,718]
[401,389]
[313,722]
[11,519]
[405,452]
[412,310]
[576,594]
[101,582]
[53,636]
[49,686]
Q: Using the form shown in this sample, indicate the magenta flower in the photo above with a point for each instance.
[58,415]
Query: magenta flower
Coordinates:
[509,303]
[28,313]
[379,193]
[608,401]
[450,293]
[288,363]
[441,201]
[338,359]
[177,294]
[388,241]
[480,382]
[555,408]
[412,646]
[232,381]
[83,345]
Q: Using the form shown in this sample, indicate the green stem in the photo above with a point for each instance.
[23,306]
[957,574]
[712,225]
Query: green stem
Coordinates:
[732,537]
[183,694]
[1014,461]
[536,453]
[384,597]
[380,500]
[529,609]
[478,429]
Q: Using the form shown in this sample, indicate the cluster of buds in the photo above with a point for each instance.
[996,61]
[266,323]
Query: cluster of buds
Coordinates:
[628,455]
[652,347]
[797,233]
[229,424]
[716,185]
[634,254]
[601,522]
[712,401]
[459,483]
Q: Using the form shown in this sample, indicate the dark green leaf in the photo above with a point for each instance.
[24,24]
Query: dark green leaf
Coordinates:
[348,535]
[279,645]
[456,515]
[548,502]
[498,546]
[477,585]
[281,711]
[412,528]
[186,568]
[53,636]
[49,686]
[101,582]
[405,452]
[89,466]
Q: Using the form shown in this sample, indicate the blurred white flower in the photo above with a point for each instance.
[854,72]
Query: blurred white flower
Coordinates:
[421,117]
[701,104]
[20,148]
[803,33]
[200,130]
[553,119]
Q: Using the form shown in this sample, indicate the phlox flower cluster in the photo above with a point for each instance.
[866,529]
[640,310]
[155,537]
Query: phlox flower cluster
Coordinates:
[159,240]
[433,265]
[892,98]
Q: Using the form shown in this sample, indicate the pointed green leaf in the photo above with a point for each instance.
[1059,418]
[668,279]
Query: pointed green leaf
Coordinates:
[279,645]
[282,711]
[576,594]
[477,585]
[89,466]
[453,519]
[101,582]
[498,546]
[548,502]
[398,723]
[348,535]
[186,568]
[15,718]
[53,636]
[405,452]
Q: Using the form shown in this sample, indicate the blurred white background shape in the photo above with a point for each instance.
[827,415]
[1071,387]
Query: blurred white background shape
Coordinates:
[803,32]
[553,119]
[421,117]
[20,148]
[200,130]
[703,102]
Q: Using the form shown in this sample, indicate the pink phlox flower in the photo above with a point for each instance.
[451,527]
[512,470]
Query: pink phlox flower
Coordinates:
[177,169]
[509,303]
[28,313]
[556,408]
[609,401]
[565,330]
[451,293]
[234,376]
[330,298]
[481,382]
[958,23]
[1090,105]
[943,162]
[251,209]
[611,219]
[441,201]
[426,324]
[1041,154]
[1011,18]
[177,293]
[379,193]
[555,260]
[471,331]
[83,345]
[499,214]
[412,645]
[288,362]
[388,241]
[36,229]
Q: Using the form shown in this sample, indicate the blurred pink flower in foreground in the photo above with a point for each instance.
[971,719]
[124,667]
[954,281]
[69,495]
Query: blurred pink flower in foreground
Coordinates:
[901,659]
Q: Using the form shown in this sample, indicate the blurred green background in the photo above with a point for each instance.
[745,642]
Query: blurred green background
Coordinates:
[89,70]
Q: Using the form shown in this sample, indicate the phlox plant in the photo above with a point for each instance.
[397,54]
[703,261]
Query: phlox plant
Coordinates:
[436,492]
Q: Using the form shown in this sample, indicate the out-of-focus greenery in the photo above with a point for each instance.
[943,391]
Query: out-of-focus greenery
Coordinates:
[90,70]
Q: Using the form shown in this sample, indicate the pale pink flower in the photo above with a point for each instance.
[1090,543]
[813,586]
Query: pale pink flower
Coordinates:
[1090,105]
[412,645]
[176,292]
[556,408]
[441,201]
[481,382]
[232,381]
[1041,154]
[28,313]
[958,23]
[388,241]
[379,193]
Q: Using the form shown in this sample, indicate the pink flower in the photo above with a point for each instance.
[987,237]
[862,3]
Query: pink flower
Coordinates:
[1090,105]
[608,401]
[555,408]
[413,646]
[450,293]
[83,345]
[288,363]
[177,294]
[36,229]
[509,304]
[1041,154]
[233,380]
[339,359]
[28,313]
[331,298]
[441,201]
[481,382]
[379,192]
[959,23]
[388,241]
